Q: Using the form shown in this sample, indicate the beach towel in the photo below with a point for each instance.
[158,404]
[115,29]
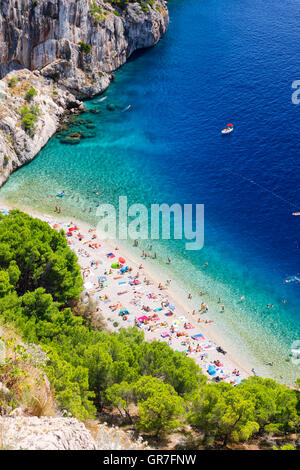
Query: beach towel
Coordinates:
[164,334]
[198,337]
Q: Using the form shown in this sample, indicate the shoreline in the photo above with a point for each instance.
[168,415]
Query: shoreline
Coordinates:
[229,361]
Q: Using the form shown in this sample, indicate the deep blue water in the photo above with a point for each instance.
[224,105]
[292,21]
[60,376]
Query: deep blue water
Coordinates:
[220,61]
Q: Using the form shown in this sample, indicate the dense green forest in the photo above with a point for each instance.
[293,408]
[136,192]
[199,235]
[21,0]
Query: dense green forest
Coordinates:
[92,370]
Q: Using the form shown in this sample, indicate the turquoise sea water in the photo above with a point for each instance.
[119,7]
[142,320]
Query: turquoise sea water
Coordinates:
[220,62]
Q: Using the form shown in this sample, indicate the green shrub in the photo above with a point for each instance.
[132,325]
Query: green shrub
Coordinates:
[30,94]
[12,82]
[29,118]
[5,160]
[97,12]
[85,48]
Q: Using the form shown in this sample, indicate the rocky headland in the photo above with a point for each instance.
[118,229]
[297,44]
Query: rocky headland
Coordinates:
[54,53]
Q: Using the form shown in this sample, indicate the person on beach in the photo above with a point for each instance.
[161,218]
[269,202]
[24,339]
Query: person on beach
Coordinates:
[169,260]
[190,296]
[223,308]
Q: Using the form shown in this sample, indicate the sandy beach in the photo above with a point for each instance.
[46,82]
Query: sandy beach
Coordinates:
[127,293]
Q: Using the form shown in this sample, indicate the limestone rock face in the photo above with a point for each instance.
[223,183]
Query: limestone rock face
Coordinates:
[32,433]
[45,434]
[46,36]
[51,103]
[67,50]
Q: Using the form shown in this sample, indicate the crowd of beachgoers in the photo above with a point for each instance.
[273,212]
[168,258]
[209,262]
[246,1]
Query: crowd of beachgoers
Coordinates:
[126,296]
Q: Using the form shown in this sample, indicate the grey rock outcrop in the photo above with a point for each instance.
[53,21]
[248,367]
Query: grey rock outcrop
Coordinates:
[67,50]
[45,434]
[32,433]
[51,103]
[50,35]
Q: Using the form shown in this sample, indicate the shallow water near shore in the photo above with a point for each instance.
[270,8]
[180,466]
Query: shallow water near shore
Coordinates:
[215,65]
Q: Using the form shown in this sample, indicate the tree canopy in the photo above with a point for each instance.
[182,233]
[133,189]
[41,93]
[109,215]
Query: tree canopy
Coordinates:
[91,369]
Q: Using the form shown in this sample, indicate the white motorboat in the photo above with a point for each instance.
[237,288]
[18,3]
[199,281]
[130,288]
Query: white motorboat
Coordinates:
[227,129]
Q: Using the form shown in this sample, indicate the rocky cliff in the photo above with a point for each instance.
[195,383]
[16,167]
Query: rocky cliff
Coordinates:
[64,50]
[32,433]
[26,125]
[78,43]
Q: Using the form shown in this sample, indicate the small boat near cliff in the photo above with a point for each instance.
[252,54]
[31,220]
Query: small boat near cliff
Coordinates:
[227,129]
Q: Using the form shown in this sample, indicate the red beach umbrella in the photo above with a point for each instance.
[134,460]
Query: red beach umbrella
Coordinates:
[122,261]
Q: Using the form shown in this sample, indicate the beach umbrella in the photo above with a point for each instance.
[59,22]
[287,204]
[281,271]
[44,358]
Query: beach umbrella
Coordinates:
[171,306]
[211,370]
[122,260]
[115,265]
